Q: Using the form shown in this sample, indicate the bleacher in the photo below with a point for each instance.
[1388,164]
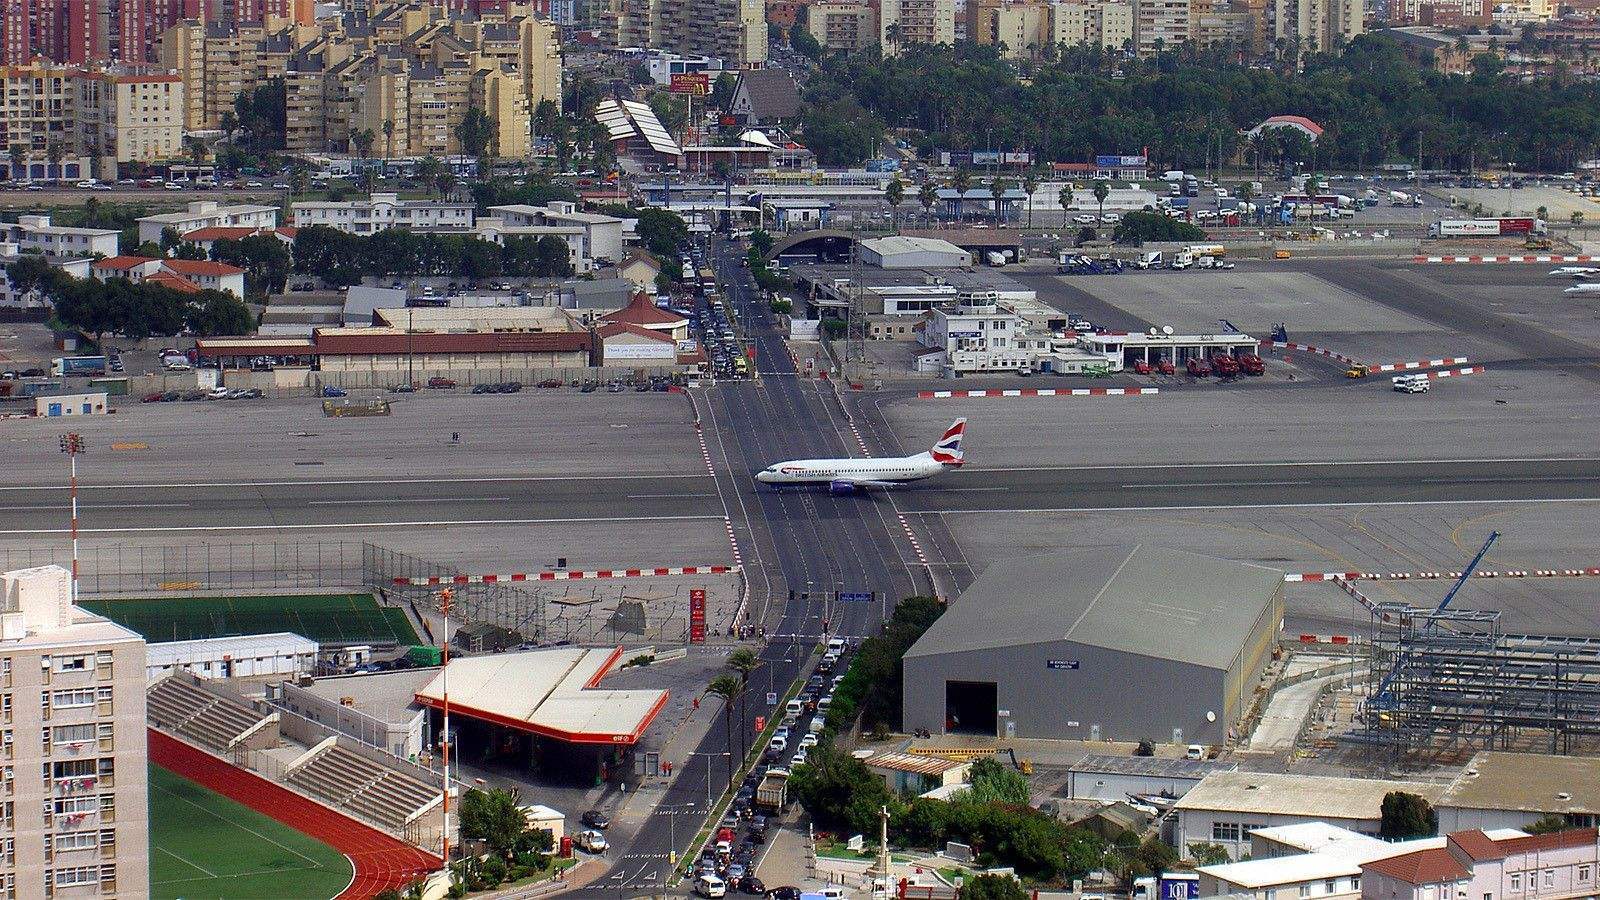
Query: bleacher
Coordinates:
[176,704]
[362,786]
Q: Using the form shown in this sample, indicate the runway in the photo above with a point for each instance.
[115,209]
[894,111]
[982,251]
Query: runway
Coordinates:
[813,536]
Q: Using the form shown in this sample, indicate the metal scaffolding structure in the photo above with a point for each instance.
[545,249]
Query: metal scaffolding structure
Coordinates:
[1449,680]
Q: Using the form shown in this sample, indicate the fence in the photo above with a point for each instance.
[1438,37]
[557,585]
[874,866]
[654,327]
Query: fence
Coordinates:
[200,569]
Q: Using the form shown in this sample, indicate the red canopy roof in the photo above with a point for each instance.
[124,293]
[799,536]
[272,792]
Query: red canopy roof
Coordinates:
[641,311]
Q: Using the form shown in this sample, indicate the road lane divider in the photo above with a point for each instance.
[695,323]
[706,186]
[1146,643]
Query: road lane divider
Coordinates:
[1041,392]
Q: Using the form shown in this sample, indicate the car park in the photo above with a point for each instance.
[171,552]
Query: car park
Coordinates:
[217,393]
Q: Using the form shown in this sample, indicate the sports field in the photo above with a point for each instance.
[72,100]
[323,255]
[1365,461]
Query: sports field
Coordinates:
[321,617]
[203,845]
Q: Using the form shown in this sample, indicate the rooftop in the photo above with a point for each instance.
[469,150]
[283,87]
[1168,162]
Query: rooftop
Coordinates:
[174,652]
[1312,796]
[641,310]
[385,696]
[1341,853]
[1430,866]
[1527,782]
[459,319]
[904,244]
[1155,602]
[1159,766]
[914,763]
[555,693]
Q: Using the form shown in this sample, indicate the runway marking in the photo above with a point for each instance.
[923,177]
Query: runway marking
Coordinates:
[973,490]
[1189,484]
[1287,464]
[443,523]
[497,479]
[665,496]
[401,500]
[1342,503]
[58,506]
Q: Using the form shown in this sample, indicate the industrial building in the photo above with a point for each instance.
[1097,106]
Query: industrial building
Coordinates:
[1046,646]
[242,656]
[901,252]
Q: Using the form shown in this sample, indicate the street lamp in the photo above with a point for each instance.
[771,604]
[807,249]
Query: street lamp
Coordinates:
[72,444]
[709,754]
[672,813]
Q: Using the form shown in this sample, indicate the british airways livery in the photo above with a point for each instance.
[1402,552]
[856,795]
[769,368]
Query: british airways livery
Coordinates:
[846,476]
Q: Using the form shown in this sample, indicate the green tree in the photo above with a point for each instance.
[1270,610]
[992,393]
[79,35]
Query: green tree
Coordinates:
[761,241]
[1138,227]
[215,314]
[388,138]
[19,160]
[264,258]
[927,195]
[363,141]
[1066,201]
[722,91]
[894,194]
[428,169]
[838,790]
[993,887]
[1407,816]
[492,816]
[475,132]
[727,687]
[804,44]
[1030,184]
[992,782]
[1102,190]
[230,123]
[1549,823]
[1205,853]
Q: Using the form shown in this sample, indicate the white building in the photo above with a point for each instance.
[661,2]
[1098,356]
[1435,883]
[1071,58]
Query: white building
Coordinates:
[902,252]
[185,275]
[37,234]
[975,335]
[602,234]
[77,267]
[70,405]
[1225,807]
[246,656]
[207,214]
[1514,790]
[384,210]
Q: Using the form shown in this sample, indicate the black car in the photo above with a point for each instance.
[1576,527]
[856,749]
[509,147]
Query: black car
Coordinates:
[752,885]
[786,892]
[486,389]
[510,387]
[594,818]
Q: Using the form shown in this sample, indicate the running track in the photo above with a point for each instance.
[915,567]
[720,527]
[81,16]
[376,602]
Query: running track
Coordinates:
[380,860]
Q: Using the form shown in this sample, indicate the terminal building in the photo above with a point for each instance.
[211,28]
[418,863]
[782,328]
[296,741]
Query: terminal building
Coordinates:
[1046,646]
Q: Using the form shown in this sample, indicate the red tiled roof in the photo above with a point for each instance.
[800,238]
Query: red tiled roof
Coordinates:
[1422,867]
[641,311]
[260,347]
[1479,846]
[440,342]
[612,329]
[233,233]
[176,282]
[1302,121]
[201,267]
[122,263]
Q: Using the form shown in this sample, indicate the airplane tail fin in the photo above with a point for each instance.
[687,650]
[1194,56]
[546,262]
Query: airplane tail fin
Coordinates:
[947,450]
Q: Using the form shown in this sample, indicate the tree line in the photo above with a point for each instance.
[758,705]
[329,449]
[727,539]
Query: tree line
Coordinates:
[341,259]
[135,310]
[1190,107]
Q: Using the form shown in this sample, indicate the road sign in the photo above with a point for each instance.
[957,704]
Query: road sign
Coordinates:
[1061,664]
[697,616]
[855,596]
[696,83]
[772,698]
[761,724]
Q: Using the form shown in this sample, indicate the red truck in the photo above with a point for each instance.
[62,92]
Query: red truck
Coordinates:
[1251,364]
[1225,365]
[1198,367]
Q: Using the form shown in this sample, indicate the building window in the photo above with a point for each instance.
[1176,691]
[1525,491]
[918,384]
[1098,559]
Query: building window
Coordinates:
[72,734]
[1329,886]
[73,699]
[1585,873]
[1516,881]
[72,664]
[1549,879]
[1305,890]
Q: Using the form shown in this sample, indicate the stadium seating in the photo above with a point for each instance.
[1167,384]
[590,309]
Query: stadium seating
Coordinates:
[177,705]
[370,790]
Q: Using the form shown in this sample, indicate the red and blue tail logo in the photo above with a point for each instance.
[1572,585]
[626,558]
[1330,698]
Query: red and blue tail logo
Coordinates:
[947,450]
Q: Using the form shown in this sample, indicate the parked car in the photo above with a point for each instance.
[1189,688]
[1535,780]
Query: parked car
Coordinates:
[194,395]
[592,841]
[217,393]
[486,389]
[404,387]
[550,383]
[510,387]
[151,398]
[440,382]
[329,390]
[594,818]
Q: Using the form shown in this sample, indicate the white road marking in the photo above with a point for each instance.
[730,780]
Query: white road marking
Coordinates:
[665,496]
[324,526]
[1190,484]
[402,500]
[503,479]
[1343,503]
[1282,464]
[90,506]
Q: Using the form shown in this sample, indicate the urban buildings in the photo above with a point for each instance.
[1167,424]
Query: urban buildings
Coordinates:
[734,31]
[72,739]
[382,211]
[36,234]
[842,25]
[904,22]
[95,119]
[207,214]
[1315,24]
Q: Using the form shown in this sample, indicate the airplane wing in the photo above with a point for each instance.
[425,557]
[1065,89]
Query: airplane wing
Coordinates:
[866,483]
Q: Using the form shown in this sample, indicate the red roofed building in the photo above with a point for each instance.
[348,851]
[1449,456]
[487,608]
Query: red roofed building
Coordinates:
[375,350]
[202,274]
[1300,123]
[624,344]
[205,237]
[643,312]
[1471,864]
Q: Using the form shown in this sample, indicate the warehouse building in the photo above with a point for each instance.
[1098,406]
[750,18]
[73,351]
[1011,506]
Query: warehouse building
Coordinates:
[901,252]
[1046,646]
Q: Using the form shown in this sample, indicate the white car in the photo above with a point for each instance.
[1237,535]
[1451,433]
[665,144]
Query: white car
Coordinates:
[84,184]
[1111,218]
[1084,219]
[808,742]
[592,841]
[217,393]
[798,759]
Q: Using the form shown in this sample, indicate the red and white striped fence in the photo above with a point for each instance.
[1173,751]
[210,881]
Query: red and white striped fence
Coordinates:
[1042,392]
[1421,364]
[1514,258]
[1590,571]
[490,578]
[1307,348]
[1452,373]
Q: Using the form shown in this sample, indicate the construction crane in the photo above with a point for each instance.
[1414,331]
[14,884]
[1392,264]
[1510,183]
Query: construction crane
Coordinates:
[1382,696]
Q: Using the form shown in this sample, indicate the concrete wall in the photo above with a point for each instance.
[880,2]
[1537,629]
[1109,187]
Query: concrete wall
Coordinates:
[1068,704]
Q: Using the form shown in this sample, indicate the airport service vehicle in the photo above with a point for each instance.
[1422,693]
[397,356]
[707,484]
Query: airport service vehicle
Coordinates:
[77,365]
[1198,367]
[995,258]
[1225,365]
[1518,225]
[1359,370]
[844,476]
[1148,260]
[1166,367]
[1578,272]
[1216,250]
[1141,368]
[1412,384]
[1183,259]
[1251,364]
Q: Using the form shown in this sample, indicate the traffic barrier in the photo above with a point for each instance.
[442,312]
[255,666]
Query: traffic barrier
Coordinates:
[1042,392]
[1422,364]
[1329,639]
[1514,258]
[1307,348]
[1588,572]
[1452,373]
[491,578]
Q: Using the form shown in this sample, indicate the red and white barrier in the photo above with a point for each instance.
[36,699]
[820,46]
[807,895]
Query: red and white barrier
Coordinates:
[1514,258]
[444,580]
[1042,392]
[1307,348]
[1452,373]
[1591,571]
[1329,639]
[1422,364]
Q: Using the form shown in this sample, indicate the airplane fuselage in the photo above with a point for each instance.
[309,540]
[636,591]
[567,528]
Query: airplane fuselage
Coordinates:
[822,471]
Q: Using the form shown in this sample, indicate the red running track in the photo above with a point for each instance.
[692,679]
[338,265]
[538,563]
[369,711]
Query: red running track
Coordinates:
[380,860]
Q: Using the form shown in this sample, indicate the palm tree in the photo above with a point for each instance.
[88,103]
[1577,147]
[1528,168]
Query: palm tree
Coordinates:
[743,661]
[1030,183]
[1066,201]
[388,138]
[1102,190]
[727,687]
[363,140]
[894,194]
[927,195]
[998,188]
[428,169]
[54,153]
[19,160]
[961,181]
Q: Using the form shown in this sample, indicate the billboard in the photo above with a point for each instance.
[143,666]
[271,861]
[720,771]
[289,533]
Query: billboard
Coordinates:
[697,616]
[696,83]
[1120,162]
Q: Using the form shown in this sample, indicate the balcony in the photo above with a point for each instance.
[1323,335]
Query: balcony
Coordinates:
[86,784]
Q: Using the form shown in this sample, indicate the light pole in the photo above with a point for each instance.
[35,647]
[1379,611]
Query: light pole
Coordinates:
[445,596]
[708,755]
[72,444]
[672,813]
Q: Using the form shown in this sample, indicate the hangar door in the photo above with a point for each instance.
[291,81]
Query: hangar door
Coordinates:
[971,707]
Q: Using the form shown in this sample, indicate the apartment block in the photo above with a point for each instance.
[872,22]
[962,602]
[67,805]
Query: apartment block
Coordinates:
[140,117]
[1109,25]
[1164,24]
[35,233]
[1316,24]
[61,31]
[74,820]
[207,214]
[842,26]
[733,30]
[1022,27]
[905,22]
[106,117]
[381,211]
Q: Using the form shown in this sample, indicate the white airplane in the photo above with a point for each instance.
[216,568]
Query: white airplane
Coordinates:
[1576,271]
[1583,289]
[844,476]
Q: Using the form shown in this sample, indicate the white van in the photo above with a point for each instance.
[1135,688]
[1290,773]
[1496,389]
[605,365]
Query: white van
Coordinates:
[710,886]
[794,707]
[836,646]
[1412,384]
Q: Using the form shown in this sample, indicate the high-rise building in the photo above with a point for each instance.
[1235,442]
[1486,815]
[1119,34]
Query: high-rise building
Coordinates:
[905,22]
[108,117]
[1316,24]
[63,31]
[1162,25]
[842,24]
[73,805]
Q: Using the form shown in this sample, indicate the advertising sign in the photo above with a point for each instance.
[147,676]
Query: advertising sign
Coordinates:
[696,83]
[697,616]
[1119,162]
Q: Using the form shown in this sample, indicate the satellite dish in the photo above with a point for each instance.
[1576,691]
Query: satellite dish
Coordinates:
[1210,716]
[1152,329]
[1166,330]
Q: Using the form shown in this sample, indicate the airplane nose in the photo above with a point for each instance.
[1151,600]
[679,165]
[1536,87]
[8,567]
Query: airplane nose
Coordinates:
[764,477]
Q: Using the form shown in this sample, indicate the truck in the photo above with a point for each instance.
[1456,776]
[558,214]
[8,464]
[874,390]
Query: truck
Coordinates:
[1502,227]
[63,366]
[1216,250]
[1183,259]
[773,791]
[995,258]
[1150,259]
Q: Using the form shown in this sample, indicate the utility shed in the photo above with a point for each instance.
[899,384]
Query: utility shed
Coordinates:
[1107,643]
